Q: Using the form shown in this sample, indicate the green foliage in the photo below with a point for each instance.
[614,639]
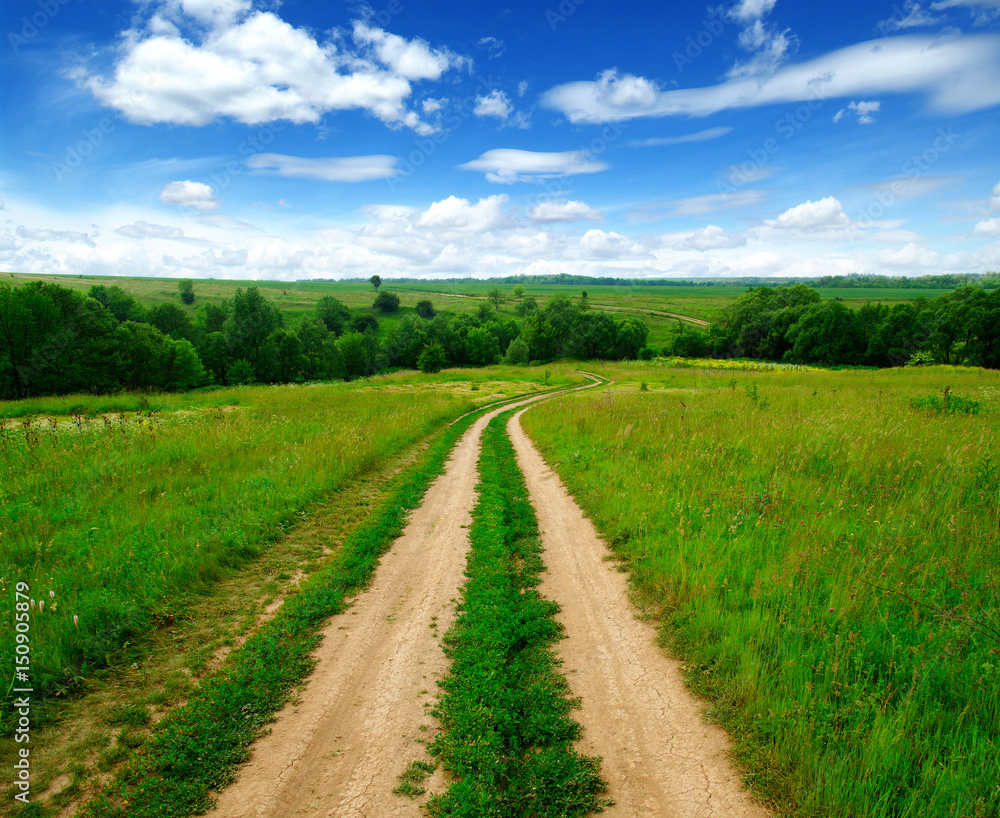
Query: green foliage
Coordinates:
[826,569]
[518,291]
[495,297]
[432,358]
[333,313]
[376,282]
[386,302]
[173,321]
[507,736]
[186,287]
[517,353]
[481,347]
[354,352]
[947,404]
[527,306]
[425,309]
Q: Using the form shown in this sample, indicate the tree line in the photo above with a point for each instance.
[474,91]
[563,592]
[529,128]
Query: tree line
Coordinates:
[54,340]
[792,324]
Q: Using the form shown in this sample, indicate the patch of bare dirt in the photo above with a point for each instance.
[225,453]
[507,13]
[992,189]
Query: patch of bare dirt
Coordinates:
[660,757]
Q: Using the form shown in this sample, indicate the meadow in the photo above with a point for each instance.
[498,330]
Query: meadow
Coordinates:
[821,550]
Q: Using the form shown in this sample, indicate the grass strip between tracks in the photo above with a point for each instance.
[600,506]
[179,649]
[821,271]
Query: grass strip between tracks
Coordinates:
[196,749]
[507,735]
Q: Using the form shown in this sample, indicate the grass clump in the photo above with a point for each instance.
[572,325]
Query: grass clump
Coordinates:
[947,404]
[827,569]
[507,735]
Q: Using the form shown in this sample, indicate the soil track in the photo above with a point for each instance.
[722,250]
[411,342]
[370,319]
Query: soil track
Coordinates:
[660,758]
[340,748]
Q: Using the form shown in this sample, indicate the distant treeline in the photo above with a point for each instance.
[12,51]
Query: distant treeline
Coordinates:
[792,324]
[944,281]
[54,340]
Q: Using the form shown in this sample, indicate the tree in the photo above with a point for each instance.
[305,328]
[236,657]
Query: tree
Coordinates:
[180,368]
[481,347]
[376,282]
[386,302]
[527,306]
[186,286]
[632,335]
[122,305]
[425,309]
[354,350]
[364,322]
[433,358]
[334,313]
[517,353]
[583,300]
[248,333]
[495,297]
[173,321]
[518,291]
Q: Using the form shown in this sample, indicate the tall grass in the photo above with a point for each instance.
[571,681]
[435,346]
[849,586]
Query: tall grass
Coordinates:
[825,557]
[121,519]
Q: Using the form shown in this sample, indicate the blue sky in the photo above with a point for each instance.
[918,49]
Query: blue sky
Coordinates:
[431,138]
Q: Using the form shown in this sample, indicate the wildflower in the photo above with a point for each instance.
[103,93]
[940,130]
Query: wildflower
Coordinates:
[76,622]
[41,606]
[963,594]
[32,604]
[831,610]
[52,594]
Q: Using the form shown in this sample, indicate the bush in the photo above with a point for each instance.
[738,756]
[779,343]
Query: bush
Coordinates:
[425,309]
[432,359]
[646,354]
[517,353]
[386,302]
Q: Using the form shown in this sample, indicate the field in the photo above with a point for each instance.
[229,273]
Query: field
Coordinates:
[823,555]
[818,548]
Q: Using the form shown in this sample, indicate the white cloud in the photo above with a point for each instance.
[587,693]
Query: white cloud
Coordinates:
[327,169]
[196,195]
[711,237]
[983,11]
[494,47]
[563,211]
[958,74]
[507,165]
[910,255]
[749,172]
[412,59]
[811,215]
[697,205]
[254,67]
[454,214]
[912,15]
[522,88]
[995,197]
[45,234]
[432,106]
[600,244]
[746,10]
[145,230]
[769,48]
[495,103]
[988,227]
[863,109]
[699,136]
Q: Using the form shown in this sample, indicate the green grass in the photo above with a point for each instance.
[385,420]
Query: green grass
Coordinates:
[507,735]
[195,750]
[121,520]
[824,558]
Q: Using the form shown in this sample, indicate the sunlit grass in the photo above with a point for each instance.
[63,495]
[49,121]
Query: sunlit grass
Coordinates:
[825,558]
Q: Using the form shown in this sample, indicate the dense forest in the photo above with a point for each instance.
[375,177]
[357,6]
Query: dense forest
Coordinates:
[792,324]
[57,341]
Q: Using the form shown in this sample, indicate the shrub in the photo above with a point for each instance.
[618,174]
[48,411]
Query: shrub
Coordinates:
[432,359]
[386,302]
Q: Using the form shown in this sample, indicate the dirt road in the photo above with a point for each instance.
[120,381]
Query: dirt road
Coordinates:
[339,750]
[660,758]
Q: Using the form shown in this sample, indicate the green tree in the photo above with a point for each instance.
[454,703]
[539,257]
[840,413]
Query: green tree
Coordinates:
[376,282]
[432,359]
[632,334]
[527,306]
[248,330]
[425,309]
[333,312]
[495,297]
[386,302]
[186,286]
[121,303]
[481,347]
[517,353]
[354,351]
[180,368]
[313,335]
[518,291]
[173,321]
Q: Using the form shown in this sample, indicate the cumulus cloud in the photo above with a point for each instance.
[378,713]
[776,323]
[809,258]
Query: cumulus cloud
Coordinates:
[507,165]
[253,67]
[746,10]
[995,197]
[145,230]
[327,169]
[957,74]
[910,255]
[600,244]
[196,195]
[864,110]
[495,103]
[911,15]
[711,237]
[563,211]
[44,234]
[988,227]
[455,214]
[811,215]
[663,141]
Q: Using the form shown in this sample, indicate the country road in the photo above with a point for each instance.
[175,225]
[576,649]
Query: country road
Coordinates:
[339,748]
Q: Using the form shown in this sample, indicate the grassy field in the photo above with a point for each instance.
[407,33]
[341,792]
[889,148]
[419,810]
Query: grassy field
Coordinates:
[121,515]
[822,551]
